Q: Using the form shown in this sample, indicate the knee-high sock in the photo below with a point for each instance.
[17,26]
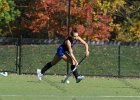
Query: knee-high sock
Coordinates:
[46,67]
[75,73]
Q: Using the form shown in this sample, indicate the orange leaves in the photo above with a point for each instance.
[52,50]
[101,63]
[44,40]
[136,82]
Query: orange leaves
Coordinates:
[91,23]
[40,12]
[104,18]
[88,10]
[52,14]
[38,22]
[83,12]
[81,29]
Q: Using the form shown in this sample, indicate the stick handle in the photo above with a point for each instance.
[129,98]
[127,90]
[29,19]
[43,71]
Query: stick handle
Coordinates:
[78,64]
[68,75]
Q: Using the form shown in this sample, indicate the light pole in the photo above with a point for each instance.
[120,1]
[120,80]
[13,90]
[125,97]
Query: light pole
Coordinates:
[68,27]
[68,19]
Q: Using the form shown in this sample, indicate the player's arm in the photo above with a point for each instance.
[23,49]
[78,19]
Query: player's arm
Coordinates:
[71,51]
[85,44]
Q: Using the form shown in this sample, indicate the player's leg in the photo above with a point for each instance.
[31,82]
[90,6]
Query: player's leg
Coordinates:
[55,60]
[40,72]
[68,59]
[75,73]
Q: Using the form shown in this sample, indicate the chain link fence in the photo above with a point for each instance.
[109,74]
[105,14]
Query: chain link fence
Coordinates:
[25,55]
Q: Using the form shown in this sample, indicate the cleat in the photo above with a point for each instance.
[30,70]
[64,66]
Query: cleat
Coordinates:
[79,78]
[39,75]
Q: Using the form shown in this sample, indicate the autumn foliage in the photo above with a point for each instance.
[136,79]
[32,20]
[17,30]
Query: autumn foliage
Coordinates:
[52,15]
[104,20]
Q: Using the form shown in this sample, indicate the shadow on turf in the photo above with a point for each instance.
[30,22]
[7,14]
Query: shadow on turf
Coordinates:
[111,87]
[51,83]
[129,85]
[56,85]
[34,81]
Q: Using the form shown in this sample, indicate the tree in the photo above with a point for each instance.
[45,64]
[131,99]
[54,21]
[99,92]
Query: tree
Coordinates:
[95,19]
[8,13]
[125,14]
[130,30]
[52,15]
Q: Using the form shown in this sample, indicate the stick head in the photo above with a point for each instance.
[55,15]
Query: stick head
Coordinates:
[67,81]
[62,81]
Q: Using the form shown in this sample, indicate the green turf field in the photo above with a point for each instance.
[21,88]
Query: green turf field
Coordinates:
[27,87]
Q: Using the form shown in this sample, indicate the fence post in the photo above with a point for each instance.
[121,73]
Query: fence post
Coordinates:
[20,54]
[119,70]
[68,27]
[17,54]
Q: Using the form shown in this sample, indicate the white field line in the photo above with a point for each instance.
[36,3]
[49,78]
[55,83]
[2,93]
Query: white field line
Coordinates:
[62,96]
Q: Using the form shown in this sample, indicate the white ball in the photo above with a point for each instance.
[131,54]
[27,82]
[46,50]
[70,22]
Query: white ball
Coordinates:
[68,81]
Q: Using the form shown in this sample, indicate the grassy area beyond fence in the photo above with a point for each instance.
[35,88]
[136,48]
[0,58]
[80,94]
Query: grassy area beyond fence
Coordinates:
[106,60]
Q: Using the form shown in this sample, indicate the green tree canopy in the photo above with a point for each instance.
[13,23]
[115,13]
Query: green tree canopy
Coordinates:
[8,13]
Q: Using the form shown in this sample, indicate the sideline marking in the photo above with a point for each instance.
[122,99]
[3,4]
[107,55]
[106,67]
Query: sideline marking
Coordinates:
[62,96]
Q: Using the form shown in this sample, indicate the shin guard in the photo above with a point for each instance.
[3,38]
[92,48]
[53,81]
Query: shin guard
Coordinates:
[75,73]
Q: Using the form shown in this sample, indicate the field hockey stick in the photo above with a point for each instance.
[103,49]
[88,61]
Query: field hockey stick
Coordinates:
[69,74]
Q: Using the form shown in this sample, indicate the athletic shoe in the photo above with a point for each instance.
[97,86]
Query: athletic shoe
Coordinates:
[39,75]
[79,78]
